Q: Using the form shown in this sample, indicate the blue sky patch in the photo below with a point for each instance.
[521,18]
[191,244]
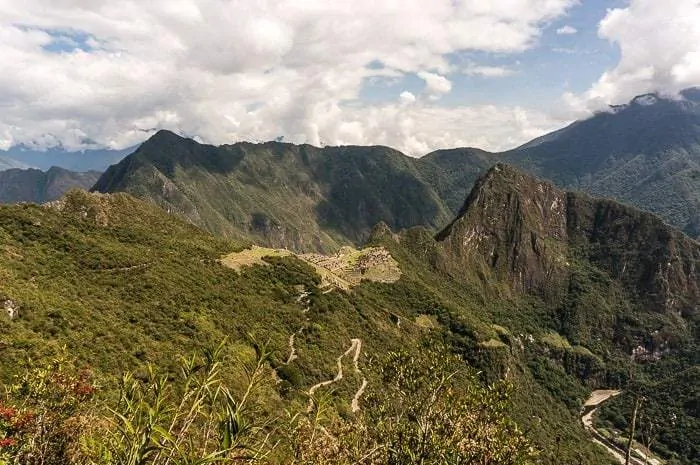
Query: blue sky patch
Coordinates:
[69,41]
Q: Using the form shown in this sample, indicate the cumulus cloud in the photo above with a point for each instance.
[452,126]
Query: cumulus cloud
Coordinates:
[407,97]
[435,84]
[659,52]
[227,70]
[567,30]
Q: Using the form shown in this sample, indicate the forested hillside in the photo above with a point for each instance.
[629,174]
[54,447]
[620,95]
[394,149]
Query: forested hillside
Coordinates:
[538,301]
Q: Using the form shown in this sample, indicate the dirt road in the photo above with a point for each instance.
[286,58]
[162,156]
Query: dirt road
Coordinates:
[596,399]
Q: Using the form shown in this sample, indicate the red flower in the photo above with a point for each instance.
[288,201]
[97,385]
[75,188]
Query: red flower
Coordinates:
[84,390]
[7,442]
[7,413]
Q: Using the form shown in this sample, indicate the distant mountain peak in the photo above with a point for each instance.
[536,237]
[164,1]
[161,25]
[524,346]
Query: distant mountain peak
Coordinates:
[682,100]
[165,135]
[691,94]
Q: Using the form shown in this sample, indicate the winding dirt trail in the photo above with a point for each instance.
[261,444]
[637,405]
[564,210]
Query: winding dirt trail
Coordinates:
[356,345]
[140,266]
[355,405]
[292,350]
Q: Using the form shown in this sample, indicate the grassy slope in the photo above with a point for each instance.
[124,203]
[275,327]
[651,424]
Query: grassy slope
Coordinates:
[472,315]
[626,280]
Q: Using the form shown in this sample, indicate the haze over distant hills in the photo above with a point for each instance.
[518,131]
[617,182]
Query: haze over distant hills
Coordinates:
[7,163]
[32,175]
[21,156]
[32,185]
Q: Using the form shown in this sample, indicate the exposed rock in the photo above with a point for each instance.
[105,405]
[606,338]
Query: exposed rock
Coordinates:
[518,225]
[11,308]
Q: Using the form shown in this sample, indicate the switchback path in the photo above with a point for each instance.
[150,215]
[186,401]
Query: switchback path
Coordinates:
[292,348]
[356,345]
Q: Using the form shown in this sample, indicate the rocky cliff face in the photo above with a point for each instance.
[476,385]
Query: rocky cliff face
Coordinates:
[515,224]
[655,262]
[527,232]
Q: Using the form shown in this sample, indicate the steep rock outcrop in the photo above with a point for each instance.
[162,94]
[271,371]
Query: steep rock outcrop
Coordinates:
[526,232]
[517,225]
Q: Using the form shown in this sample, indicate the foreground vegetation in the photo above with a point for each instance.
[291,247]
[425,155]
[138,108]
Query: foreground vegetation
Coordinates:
[428,409]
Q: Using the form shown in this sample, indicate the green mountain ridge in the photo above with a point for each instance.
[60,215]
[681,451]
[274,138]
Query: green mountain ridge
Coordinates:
[646,153]
[280,195]
[306,198]
[32,185]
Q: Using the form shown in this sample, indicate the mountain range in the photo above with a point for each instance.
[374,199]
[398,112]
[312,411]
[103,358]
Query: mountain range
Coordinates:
[535,284]
[32,185]
[645,153]
[282,195]
[551,290]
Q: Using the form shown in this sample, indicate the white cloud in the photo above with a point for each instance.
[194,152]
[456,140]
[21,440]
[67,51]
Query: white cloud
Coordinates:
[228,70]
[567,30]
[488,71]
[435,85]
[660,52]
[407,97]
[422,127]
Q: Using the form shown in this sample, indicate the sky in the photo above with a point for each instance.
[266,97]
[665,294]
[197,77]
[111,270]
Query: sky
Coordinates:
[416,75]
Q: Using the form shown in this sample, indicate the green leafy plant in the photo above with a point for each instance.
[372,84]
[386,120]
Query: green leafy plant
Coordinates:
[202,423]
